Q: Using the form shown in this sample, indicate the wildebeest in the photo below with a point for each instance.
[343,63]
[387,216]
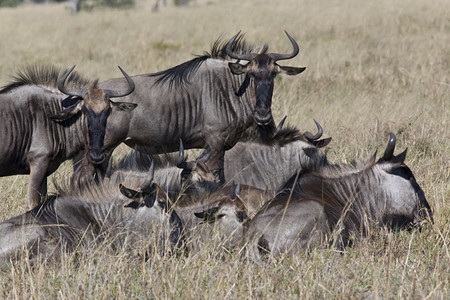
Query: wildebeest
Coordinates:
[344,201]
[196,197]
[41,127]
[174,174]
[85,214]
[209,100]
[179,177]
[269,166]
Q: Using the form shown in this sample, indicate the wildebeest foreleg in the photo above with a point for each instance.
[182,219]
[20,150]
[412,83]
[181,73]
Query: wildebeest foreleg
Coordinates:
[37,183]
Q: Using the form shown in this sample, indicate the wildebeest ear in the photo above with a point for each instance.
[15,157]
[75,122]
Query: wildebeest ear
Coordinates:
[321,143]
[68,112]
[237,68]
[133,204]
[400,158]
[129,193]
[207,215]
[291,70]
[123,105]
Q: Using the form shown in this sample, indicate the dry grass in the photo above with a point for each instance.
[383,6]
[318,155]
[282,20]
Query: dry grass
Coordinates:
[372,67]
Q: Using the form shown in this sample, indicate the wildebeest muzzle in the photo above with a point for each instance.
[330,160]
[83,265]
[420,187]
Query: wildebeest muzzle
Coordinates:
[263,112]
[96,131]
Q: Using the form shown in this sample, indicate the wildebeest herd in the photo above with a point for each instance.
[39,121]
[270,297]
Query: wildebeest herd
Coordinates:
[262,186]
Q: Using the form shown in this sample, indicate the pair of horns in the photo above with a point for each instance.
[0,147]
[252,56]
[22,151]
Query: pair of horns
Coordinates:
[308,135]
[82,92]
[251,56]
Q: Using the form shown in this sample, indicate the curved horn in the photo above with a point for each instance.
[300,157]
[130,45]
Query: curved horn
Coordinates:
[63,89]
[280,125]
[116,94]
[277,56]
[235,191]
[230,53]
[389,152]
[149,178]
[311,137]
[206,154]
[181,163]
[180,159]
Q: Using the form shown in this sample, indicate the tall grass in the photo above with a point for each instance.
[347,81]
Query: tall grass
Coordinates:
[372,67]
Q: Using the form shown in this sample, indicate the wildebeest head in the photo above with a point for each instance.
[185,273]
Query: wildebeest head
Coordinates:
[261,70]
[196,175]
[229,215]
[151,200]
[96,105]
[408,204]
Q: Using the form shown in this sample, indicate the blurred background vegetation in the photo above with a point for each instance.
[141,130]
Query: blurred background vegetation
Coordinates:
[77,5]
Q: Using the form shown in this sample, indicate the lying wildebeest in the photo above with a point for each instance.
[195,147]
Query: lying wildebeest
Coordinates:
[178,178]
[268,167]
[85,214]
[41,127]
[195,195]
[173,173]
[209,100]
[347,200]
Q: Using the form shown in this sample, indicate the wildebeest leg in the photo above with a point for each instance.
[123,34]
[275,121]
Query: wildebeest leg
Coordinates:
[216,162]
[38,172]
[43,189]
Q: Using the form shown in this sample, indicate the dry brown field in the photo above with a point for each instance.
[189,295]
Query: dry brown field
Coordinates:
[372,67]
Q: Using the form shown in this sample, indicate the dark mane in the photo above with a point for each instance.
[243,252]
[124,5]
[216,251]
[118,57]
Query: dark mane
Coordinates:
[45,75]
[139,159]
[179,75]
[271,136]
[240,46]
[288,134]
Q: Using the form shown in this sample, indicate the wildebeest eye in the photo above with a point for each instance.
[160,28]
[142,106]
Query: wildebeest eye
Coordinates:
[242,216]
[185,174]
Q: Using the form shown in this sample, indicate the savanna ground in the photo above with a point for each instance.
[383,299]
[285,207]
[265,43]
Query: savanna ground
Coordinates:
[372,67]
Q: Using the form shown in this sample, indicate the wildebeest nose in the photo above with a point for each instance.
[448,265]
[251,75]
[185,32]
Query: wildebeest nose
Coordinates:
[262,116]
[96,157]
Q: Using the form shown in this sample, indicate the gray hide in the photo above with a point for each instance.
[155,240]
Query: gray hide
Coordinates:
[346,200]
[41,127]
[85,215]
[201,102]
[206,209]
[31,142]
[267,167]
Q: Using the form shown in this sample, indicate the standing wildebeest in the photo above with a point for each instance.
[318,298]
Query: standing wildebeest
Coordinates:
[41,128]
[85,214]
[209,100]
[347,200]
